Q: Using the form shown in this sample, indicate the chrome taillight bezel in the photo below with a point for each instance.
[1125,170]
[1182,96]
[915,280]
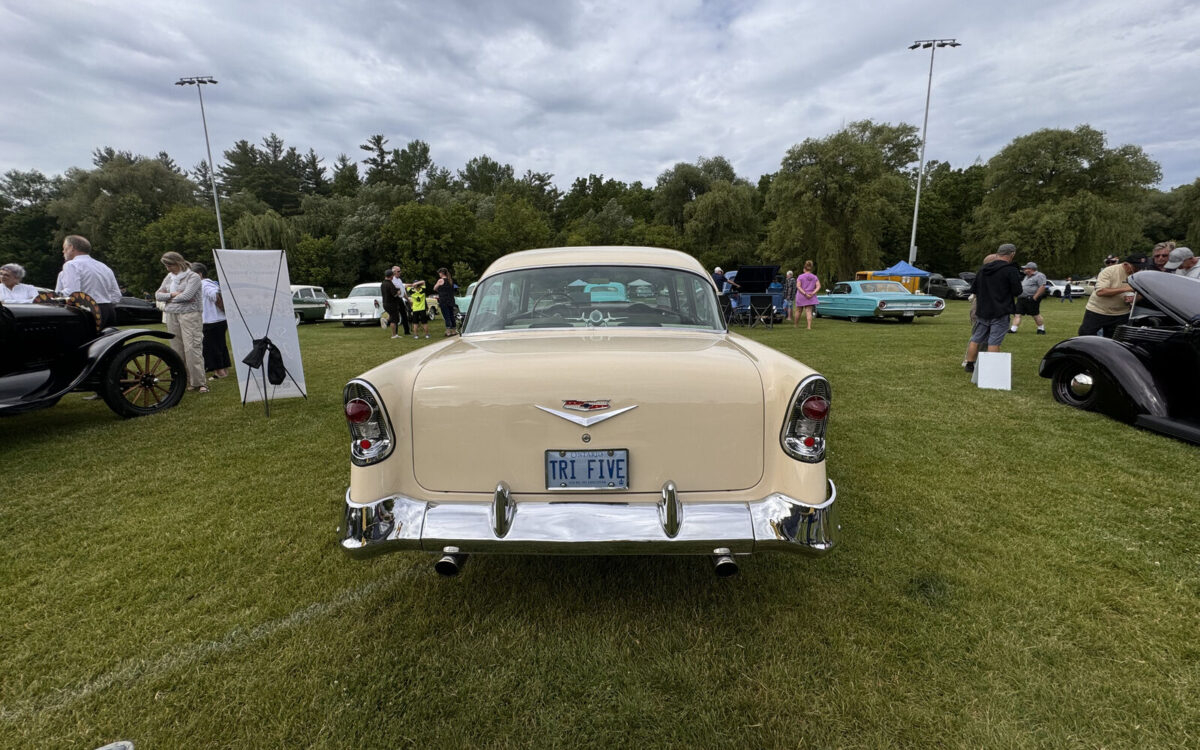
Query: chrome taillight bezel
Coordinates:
[377,428]
[797,427]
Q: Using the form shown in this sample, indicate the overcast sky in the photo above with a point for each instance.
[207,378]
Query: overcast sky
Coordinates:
[572,87]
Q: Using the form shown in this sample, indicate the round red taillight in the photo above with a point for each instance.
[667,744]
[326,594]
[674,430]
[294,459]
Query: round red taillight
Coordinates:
[810,442]
[815,408]
[364,444]
[358,411]
[882,305]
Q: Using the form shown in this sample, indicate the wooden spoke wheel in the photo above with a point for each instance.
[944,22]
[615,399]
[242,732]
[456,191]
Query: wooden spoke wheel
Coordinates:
[143,378]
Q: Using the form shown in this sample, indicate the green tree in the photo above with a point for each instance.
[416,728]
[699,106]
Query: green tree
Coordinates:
[112,204]
[836,199]
[948,200]
[345,177]
[721,226]
[485,175]
[424,238]
[1064,198]
[515,225]
[188,230]
[268,231]
[27,230]
[675,188]
[378,163]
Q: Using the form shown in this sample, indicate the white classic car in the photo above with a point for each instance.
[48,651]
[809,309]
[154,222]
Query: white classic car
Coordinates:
[364,305]
[568,420]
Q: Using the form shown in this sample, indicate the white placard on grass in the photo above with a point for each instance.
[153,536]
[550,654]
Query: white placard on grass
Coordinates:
[993,370]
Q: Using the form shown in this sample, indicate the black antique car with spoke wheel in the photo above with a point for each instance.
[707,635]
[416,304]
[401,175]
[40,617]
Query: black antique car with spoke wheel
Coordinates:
[1147,374]
[51,349]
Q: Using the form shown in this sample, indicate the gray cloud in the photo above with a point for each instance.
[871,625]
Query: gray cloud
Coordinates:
[626,89]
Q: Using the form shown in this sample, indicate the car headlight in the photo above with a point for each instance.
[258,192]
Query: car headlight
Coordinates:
[371,438]
[803,434]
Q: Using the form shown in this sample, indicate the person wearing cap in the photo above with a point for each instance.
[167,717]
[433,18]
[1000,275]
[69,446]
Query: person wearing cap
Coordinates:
[994,287]
[1161,253]
[1183,262]
[391,302]
[1108,307]
[1033,288]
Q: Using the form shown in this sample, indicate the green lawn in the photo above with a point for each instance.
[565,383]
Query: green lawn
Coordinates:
[1013,573]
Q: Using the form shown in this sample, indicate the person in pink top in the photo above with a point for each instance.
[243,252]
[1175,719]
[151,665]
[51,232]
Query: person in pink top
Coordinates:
[807,286]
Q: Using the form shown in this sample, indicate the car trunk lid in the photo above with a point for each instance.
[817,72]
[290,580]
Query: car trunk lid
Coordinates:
[697,418]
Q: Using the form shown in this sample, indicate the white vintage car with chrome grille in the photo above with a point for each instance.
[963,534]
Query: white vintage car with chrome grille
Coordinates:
[595,403]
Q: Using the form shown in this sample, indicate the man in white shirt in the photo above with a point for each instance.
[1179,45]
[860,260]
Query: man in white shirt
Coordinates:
[402,293]
[12,290]
[1184,263]
[83,273]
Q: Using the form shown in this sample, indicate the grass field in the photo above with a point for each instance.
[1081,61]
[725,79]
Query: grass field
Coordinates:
[1013,573]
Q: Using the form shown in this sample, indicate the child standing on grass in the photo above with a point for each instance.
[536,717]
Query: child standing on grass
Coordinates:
[420,308]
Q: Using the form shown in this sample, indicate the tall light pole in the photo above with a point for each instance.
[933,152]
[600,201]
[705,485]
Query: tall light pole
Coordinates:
[199,82]
[932,45]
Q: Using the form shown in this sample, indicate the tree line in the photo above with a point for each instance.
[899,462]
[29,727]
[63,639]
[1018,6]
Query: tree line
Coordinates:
[1064,197]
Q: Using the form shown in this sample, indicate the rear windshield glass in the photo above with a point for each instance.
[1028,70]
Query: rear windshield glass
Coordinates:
[594,297]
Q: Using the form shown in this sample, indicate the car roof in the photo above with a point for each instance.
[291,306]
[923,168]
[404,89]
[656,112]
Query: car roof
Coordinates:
[596,255]
[297,287]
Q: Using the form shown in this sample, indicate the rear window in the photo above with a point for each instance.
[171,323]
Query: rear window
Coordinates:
[594,297]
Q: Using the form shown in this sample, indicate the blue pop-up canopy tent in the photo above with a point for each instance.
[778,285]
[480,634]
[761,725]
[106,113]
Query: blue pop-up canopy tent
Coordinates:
[902,269]
[908,275]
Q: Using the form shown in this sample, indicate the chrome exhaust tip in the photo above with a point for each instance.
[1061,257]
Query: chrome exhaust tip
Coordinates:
[450,563]
[723,563]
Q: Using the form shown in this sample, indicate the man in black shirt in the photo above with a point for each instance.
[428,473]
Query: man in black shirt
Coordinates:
[995,286]
[391,302]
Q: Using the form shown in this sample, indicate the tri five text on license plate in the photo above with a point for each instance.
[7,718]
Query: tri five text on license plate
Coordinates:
[587,470]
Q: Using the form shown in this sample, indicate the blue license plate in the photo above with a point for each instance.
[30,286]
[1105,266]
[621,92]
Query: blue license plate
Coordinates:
[587,470]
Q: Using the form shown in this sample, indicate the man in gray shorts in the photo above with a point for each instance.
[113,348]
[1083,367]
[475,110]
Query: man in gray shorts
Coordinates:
[995,286]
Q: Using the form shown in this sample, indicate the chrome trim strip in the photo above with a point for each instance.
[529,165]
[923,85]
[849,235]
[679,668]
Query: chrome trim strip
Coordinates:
[774,523]
[585,421]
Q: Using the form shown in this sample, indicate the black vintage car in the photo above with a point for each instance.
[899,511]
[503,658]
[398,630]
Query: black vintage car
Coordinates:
[48,350]
[132,311]
[1148,374]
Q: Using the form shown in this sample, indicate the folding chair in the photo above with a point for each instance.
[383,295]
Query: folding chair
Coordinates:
[762,310]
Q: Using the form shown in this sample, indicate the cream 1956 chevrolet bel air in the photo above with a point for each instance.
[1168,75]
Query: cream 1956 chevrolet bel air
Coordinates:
[594,404]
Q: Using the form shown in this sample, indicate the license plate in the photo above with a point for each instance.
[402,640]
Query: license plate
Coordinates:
[587,470]
[909,314]
[352,311]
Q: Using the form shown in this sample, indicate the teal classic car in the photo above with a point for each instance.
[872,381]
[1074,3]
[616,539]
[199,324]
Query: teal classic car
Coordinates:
[859,300]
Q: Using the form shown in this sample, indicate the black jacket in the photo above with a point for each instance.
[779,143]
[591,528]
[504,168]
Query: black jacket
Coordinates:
[995,287]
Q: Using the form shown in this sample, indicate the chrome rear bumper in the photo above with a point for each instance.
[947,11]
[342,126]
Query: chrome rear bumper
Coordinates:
[775,522]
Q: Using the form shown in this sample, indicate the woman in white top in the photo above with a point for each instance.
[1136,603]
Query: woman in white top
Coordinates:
[180,290]
[216,353]
[12,291]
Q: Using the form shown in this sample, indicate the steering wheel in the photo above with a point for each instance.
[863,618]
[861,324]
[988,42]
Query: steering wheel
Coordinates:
[552,295]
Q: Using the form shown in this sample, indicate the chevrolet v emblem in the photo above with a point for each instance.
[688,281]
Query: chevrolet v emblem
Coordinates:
[585,421]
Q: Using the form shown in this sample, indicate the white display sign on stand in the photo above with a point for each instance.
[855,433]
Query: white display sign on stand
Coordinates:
[256,292]
[993,370]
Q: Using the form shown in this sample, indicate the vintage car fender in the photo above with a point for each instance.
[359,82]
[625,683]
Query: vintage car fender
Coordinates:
[1120,366]
[97,350]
